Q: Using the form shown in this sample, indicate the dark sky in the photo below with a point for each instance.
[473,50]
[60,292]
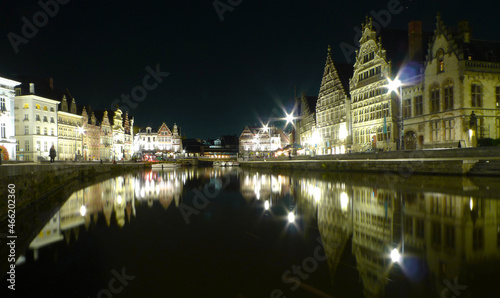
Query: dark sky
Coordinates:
[223,75]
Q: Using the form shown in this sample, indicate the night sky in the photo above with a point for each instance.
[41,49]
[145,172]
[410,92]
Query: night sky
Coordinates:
[222,75]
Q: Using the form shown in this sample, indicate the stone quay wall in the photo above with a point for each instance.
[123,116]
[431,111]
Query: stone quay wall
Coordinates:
[33,182]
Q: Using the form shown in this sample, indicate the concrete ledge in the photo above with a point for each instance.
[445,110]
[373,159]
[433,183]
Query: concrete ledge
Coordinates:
[33,181]
[449,167]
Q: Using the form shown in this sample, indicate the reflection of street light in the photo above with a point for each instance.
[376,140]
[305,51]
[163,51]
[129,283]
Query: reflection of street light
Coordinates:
[291,217]
[393,86]
[83,210]
[344,201]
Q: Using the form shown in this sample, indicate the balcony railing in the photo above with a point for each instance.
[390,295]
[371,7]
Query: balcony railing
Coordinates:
[482,66]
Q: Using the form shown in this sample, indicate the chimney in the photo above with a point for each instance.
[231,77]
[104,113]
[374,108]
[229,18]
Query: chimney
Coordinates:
[32,88]
[464,30]
[415,41]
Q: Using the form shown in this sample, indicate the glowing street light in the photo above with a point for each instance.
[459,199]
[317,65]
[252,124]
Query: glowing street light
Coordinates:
[291,217]
[395,256]
[396,87]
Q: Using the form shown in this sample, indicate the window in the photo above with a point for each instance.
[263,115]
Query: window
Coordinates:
[27,146]
[408,225]
[26,106]
[37,106]
[407,108]
[38,118]
[26,117]
[45,119]
[2,131]
[440,60]
[52,109]
[477,239]
[448,96]
[449,131]
[2,104]
[435,99]
[498,236]
[52,120]
[435,131]
[38,147]
[45,146]
[449,237]
[45,131]
[419,106]
[45,108]
[52,131]
[368,57]
[476,94]
[38,130]
[436,234]
[26,130]
[497,101]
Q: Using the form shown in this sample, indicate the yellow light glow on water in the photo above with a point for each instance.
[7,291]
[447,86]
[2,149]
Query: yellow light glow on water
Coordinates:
[83,210]
[119,199]
[291,217]
[344,201]
[266,205]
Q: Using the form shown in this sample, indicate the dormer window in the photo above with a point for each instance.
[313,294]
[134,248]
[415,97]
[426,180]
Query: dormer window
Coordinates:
[440,60]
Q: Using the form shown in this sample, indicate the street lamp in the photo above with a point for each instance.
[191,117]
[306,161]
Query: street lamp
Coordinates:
[290,118]
[78,130]
[394,86]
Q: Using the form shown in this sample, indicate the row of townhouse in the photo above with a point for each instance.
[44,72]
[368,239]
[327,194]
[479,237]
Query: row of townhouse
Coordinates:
[449,98]
[35,117]
[262,141]
[162,142]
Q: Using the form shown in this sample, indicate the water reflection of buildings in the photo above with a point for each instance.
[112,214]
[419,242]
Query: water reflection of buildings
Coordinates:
[116,199]
[454,236]
[267,187]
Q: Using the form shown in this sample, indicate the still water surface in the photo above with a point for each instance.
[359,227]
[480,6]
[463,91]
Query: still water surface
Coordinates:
[205,232]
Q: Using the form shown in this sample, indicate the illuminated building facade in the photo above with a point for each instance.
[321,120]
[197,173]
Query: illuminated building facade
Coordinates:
[7,119]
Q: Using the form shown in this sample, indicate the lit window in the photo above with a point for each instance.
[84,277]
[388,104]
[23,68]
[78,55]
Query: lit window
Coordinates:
[26,106]
[37,106]
[45,108]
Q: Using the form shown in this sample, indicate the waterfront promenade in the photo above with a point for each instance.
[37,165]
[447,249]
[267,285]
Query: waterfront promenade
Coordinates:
[460,161]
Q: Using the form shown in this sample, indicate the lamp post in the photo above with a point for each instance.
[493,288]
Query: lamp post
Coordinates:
[78,129]
[267,129]
[394,86]
[290,118]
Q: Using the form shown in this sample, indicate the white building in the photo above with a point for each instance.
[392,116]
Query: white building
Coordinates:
[155,142]
[70,129]
[7,124]
[36,128]
[262,140]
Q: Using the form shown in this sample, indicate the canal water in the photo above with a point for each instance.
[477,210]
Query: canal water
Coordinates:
[230,232]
